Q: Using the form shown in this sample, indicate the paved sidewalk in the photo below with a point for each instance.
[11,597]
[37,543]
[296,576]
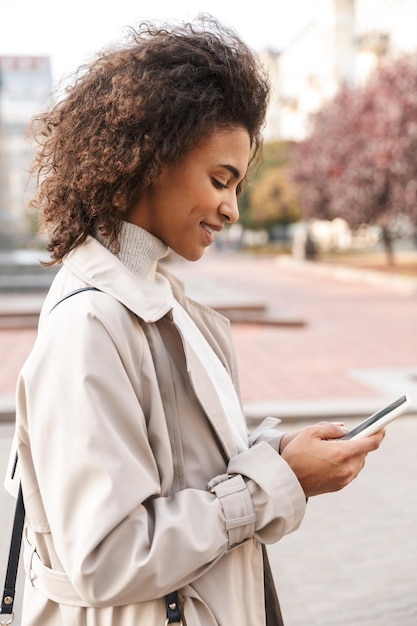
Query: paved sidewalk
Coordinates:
[345,340]
[356,349]
[353,561]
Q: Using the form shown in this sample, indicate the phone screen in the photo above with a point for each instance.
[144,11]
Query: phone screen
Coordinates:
[375,417]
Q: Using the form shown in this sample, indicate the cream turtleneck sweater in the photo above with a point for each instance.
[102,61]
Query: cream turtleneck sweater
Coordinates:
[140,252]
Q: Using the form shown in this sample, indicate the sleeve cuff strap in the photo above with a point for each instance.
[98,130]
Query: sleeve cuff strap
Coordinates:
[237,508]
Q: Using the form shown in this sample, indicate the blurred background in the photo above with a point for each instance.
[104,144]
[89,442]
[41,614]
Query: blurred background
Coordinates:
[339,177]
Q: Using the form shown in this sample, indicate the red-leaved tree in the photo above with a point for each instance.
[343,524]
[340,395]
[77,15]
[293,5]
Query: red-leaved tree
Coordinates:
[359,161]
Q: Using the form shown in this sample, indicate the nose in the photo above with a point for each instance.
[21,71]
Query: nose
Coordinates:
[230,209]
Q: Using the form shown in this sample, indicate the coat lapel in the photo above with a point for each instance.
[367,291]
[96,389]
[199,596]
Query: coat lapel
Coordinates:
[209,399]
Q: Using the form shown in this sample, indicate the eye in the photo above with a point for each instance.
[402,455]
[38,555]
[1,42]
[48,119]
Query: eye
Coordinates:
[218,184]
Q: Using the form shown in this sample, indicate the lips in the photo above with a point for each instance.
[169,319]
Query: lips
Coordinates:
[212,228]
[207,228]
[208,231]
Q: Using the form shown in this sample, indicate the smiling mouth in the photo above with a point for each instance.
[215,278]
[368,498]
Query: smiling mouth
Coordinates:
[208,229]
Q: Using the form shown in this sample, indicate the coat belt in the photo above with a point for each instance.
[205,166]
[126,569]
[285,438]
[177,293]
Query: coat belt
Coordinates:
[53,584]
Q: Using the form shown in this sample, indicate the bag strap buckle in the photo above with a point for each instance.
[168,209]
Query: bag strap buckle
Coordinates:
[5,621]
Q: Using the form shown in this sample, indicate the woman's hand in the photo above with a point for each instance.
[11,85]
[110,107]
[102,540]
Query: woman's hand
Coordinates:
[323,464]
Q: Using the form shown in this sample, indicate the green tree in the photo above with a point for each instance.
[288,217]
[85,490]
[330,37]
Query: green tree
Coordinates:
[274,200]
[270,197]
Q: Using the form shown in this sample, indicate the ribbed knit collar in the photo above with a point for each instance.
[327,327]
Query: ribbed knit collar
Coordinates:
[139,251]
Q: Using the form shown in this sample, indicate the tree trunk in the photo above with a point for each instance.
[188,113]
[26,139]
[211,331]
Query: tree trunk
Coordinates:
[387,240]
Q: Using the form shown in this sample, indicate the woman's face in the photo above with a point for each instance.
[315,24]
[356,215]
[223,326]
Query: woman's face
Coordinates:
[193,199]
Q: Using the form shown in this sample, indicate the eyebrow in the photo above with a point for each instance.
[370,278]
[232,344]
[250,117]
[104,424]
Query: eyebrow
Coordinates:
[232,169]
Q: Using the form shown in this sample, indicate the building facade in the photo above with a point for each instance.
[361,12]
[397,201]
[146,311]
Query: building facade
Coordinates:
[344,42]
[24,82]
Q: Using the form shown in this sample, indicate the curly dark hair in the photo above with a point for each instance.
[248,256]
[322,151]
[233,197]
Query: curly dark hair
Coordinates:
[132,110]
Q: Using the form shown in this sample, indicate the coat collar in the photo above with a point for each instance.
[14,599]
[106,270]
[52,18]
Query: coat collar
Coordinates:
[97,266]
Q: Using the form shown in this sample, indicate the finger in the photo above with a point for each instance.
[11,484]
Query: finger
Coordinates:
[366,444]
[330,430]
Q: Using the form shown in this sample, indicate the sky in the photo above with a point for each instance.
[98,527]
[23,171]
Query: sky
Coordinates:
[72,32]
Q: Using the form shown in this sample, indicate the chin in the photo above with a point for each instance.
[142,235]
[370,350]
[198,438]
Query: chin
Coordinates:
[197,256]
[192,256]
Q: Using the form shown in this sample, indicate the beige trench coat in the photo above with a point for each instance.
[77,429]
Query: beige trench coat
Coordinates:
[131,479]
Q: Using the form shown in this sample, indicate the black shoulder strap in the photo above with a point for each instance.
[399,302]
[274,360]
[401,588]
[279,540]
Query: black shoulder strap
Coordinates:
[9,590]
[73,293]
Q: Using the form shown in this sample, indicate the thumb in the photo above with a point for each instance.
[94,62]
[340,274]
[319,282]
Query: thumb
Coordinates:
[331,430]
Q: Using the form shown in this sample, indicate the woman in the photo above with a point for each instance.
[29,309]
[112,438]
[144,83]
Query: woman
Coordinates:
[138,474]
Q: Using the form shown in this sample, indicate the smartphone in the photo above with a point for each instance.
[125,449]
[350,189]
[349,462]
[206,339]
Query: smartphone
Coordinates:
[379,419]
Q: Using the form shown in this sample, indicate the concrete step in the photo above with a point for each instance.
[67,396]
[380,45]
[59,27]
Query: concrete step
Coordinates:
[21,310]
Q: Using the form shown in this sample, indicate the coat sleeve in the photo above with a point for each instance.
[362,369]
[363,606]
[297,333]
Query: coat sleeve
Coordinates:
[268,431]
[118,539]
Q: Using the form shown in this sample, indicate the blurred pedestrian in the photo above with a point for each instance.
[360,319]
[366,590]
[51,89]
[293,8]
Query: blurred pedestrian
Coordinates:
[145,496]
